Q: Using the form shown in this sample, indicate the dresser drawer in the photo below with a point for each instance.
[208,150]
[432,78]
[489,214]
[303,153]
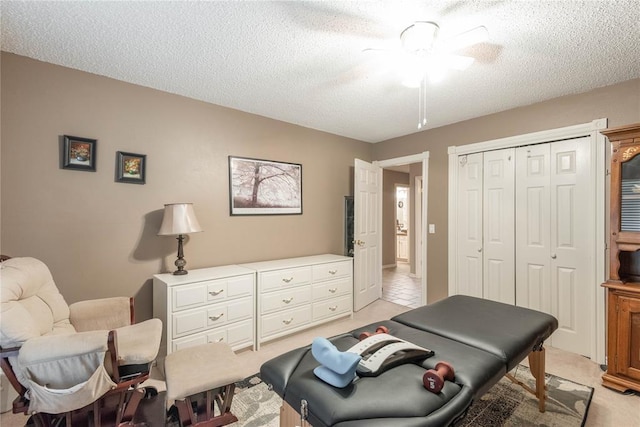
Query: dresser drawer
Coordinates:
[233,287]
[236,335]
[282,321]
[210,291]
[331,270]
[331,289]
[197,320]
[331,307]
[189,296]
[280,300]
[272,280]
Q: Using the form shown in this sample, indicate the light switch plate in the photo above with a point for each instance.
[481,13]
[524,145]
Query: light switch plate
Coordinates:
[432,228]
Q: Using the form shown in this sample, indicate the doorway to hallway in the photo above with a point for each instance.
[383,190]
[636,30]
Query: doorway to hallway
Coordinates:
[400,287]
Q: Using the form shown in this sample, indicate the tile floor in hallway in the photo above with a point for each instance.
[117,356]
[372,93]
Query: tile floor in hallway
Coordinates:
[399,287]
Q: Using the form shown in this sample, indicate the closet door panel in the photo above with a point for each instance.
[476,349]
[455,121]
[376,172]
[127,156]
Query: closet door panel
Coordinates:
[571,258]
[469,223]
[533,220]
[498,226]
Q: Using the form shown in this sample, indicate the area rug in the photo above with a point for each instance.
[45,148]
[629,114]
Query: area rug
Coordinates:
[506,404]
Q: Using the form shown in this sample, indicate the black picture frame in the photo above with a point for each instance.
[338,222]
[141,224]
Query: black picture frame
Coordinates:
[79,153]
[131,168]
[264,187]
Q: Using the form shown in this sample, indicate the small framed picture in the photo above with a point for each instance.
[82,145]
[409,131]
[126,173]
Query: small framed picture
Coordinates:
[130,167]
[79,153]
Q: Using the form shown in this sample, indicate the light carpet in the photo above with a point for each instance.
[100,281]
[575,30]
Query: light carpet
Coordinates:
[505,404]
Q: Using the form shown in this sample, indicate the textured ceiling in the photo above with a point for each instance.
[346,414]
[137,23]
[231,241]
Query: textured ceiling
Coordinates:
[304,62]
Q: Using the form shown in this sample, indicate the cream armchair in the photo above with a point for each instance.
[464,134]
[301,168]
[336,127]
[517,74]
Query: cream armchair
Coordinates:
[78,362]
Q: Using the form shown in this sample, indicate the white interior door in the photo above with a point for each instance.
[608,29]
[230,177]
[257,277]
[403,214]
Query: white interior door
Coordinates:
[367,254]
[498,280]
[469,225]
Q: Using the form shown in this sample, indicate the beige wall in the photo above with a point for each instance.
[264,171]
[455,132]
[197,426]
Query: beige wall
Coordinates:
[619,103]
[389,180]
[99,237]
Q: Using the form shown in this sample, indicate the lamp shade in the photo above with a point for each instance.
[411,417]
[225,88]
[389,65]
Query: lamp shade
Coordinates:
[179,218]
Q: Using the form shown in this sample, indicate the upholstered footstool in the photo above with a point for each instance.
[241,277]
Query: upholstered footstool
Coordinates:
[197,378]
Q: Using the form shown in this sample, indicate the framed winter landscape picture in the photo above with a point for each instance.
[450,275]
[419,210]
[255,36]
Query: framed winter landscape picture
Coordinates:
[264,187]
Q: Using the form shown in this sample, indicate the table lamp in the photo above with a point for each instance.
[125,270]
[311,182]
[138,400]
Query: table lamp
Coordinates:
[179,219]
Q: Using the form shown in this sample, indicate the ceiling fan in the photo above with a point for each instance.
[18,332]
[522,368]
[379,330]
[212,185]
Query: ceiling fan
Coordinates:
[423,54]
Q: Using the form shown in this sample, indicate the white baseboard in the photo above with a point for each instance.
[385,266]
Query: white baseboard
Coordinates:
[389,266]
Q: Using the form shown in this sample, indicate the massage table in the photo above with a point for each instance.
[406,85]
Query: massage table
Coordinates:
[483,340]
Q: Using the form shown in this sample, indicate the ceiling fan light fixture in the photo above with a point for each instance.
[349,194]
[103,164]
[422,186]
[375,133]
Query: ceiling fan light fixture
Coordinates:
[412,70]
[412,80]
[436,73]
[419,37]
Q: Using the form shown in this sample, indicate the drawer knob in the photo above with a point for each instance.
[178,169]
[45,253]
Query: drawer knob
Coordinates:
[287,280]
[333,290]
[333,271]
[287,300]
[333,307]
[214,318]
[216,293]
[286,322]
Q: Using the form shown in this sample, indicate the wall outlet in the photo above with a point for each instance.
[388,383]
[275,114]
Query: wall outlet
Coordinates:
[432,228]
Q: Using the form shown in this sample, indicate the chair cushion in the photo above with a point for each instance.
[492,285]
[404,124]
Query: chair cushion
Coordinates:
[139,343]
[31,304]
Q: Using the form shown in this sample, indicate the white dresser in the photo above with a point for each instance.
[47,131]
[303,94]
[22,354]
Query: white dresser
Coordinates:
[298,293]
[206,305]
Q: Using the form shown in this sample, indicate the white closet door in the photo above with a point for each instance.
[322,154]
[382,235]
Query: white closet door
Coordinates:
[469,223]
[533,235]
[555,229]
[572,242]
[498,226]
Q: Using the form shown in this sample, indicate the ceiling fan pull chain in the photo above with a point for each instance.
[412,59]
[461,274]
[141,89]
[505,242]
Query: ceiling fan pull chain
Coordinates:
[420,106]
[422,103]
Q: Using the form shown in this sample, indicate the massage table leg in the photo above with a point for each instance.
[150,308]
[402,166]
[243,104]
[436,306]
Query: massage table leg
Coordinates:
[537,367]
[290,418]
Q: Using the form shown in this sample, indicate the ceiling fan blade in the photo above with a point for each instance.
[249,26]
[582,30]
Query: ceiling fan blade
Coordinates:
[468,38]
[456,62]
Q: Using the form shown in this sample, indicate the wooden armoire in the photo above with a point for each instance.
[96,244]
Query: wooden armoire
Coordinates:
[623,286]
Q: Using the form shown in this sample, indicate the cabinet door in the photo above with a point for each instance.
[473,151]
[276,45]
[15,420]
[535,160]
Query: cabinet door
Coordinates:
[629,337]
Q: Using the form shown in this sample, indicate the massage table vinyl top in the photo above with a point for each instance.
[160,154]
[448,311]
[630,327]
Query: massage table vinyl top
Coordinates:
[507,331]
[481,339]
[381,398]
